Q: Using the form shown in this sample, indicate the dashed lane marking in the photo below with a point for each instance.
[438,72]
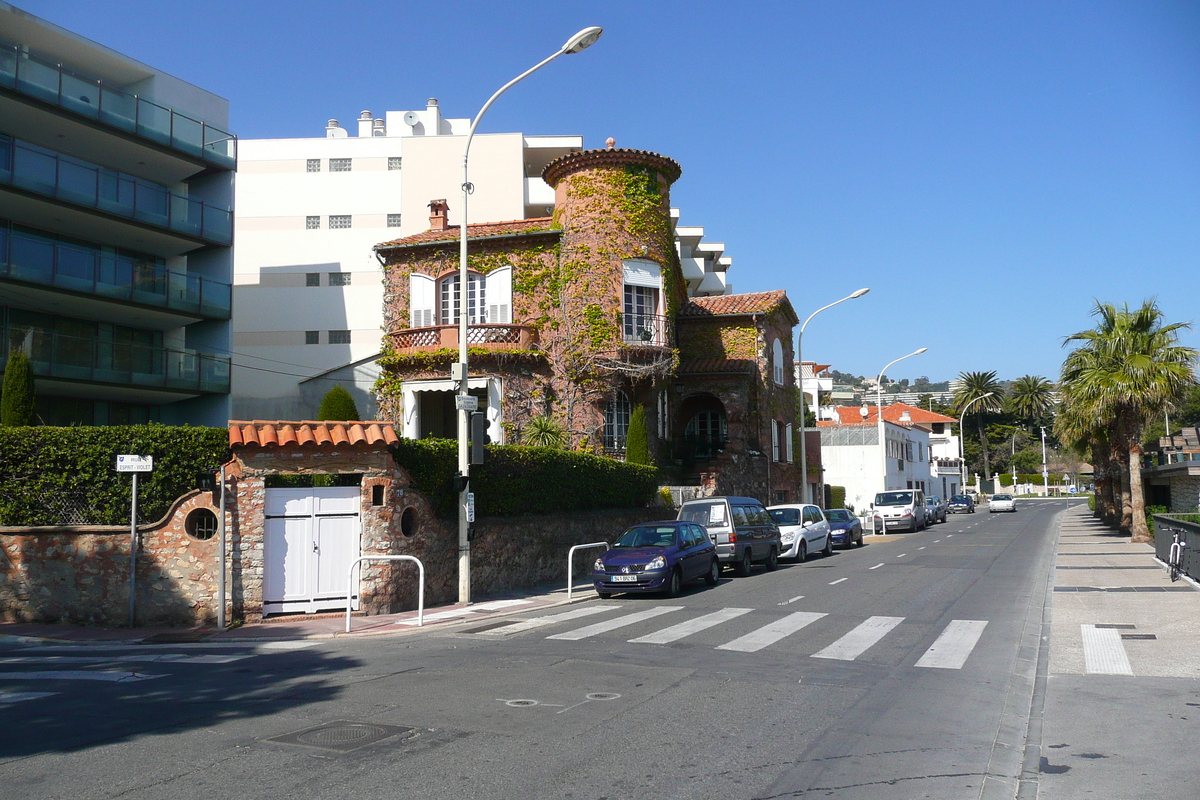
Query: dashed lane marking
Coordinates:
[839,580]
[877,566]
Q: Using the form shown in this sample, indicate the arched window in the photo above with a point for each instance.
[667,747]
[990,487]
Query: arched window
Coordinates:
[706,433]
[616,421]
[777,361]
[448,308]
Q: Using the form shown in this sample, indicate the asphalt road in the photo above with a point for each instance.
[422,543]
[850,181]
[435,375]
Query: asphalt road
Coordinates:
[902,669]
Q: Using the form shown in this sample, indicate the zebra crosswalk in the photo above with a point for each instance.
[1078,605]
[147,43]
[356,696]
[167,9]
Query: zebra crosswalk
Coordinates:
[950,650]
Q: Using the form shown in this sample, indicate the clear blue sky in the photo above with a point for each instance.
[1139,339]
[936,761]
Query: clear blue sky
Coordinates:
[988,169]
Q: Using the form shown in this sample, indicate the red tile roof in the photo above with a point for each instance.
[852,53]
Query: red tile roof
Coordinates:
[717,365]
[281,433]
[477,231]
[849,414]
[727,305]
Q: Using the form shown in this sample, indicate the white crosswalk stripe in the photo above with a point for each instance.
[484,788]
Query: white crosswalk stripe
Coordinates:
[538,622]
[114,676]
[613,624]
[127,658]
[952,648]
[676,632]
[859,640]
[771,633]
[1103,652]
[8,698]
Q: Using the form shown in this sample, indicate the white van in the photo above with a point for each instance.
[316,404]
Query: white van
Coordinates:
[900,509]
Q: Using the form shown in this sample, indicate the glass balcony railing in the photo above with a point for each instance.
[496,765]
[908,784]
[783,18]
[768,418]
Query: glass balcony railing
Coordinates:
[46,172]
[55,355]
[45,79]
[43,260]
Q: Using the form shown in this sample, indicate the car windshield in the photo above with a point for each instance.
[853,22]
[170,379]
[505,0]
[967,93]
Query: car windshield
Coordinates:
[960,498]
[929,501]
[838,515]
[1002,497]
[704,513]
[893,498]
[785,516]
[647,536]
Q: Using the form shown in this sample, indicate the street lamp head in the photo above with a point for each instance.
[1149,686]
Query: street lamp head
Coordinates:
[582,40]
[922,350]
[859,294]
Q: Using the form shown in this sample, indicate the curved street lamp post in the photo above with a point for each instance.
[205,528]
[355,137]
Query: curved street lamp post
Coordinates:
[580,41]
[962,459]
[879,413]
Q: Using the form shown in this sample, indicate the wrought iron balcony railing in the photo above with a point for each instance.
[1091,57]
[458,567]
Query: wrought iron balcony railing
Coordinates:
[645,330]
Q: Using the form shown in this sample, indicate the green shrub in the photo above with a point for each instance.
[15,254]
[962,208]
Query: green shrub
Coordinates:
[79,464]
[837,496]
[16,401]
[518,479]
[637,438]
[543,431]
[338,405]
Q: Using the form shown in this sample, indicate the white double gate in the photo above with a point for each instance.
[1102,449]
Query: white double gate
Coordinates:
[310,541]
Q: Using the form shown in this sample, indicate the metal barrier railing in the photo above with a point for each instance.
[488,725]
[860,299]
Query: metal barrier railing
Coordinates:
[571,559]
[420,591]
[1165,526]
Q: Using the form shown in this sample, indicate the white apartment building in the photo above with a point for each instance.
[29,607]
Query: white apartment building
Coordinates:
[851,458]
[308,290]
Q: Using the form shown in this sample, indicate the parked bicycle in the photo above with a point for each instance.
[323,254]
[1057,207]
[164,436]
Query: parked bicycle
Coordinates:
[1175,557]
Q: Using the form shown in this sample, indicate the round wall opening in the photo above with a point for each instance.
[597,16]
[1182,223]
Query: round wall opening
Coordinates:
[408,521]
[201,524]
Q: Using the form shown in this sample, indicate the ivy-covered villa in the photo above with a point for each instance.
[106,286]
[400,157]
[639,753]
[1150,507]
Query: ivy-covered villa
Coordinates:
[580,318]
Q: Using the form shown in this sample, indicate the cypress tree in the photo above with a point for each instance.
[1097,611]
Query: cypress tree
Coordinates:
[637,439]
[16,403]
[338,405]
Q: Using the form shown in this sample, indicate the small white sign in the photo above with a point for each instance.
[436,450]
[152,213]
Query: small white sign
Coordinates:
[470,506]
[135,463]
[469,402]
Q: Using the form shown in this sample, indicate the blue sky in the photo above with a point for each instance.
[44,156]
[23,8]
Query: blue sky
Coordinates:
[988,169]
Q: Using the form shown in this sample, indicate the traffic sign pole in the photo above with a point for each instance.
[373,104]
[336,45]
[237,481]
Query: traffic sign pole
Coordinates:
[133,552]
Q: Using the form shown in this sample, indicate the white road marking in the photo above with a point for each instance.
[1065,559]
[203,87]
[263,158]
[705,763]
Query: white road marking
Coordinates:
[935,541]
[951,649]
[772,633]
[248,644]
[877,566]
[921,548]
[537,622]
[613,624]
[676,632]
[8,698]
[902,555]
[856,642]
[78,675]
[839,580]
[1103,652]
[789,602]
[159,658]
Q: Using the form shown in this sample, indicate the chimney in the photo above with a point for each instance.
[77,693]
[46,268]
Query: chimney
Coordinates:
[364,124]
[433,118]
[379,127]
[438,215]
[332,131]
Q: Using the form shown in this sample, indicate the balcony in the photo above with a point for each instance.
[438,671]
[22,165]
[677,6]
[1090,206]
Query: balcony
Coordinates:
[645,330]
[74,358]
[441,337]
[44,79]
[46,262]
[49,174]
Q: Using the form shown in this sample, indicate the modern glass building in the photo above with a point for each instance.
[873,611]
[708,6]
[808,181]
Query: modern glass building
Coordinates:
[116,232]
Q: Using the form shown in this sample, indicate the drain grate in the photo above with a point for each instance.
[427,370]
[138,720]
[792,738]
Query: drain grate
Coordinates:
[1122,626]
[1138,636]
[341,736]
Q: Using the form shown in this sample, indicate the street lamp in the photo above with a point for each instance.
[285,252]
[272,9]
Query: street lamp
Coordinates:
[879,411]
[1045,472]
[580,41]
[962,459]
[804,491]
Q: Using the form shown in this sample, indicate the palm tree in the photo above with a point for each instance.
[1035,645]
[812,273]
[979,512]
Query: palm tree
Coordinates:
[972,387]
[1030,397]
[1127,368]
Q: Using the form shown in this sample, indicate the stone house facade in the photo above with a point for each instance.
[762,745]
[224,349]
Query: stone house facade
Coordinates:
[582,317]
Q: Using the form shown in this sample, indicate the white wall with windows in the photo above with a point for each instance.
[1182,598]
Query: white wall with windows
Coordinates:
[851,458]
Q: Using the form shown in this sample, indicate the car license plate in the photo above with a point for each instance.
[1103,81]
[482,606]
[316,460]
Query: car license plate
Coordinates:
[624,578]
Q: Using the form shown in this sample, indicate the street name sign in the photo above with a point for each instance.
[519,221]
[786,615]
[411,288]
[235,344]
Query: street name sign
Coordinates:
[135,463]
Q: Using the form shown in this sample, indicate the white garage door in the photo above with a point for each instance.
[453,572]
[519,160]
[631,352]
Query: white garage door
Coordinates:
[310,541]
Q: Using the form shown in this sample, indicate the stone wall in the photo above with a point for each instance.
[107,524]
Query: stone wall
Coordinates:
[1185,493]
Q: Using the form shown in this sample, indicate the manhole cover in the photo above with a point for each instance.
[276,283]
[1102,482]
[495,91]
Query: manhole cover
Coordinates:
[603,696]
[341,736]
[521,703]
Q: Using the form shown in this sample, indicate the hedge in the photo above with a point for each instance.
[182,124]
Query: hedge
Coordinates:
[43,468]
[1006,478]
[518,479]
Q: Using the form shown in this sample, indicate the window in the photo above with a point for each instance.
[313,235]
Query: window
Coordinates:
[312,337]
[314,165]
[339,337]
[339,279]
[201,524]
[777,361]
[312,223]
[312,279]
[339,221]
[339,165]
[393,221]
[616,421]
[787,439]
[394,162]
[775,453]
[450,300]
[640,320]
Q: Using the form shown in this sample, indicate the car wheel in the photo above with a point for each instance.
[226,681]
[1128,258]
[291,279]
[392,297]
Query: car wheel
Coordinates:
[675,584]
[828,551]
[714,573]
[802,552]
[772,560]
[744,565]
[860,539]
[604,595]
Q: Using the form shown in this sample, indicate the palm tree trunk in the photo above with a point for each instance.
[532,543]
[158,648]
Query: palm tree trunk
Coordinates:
[1125,507]
[987,461]
[1141,531]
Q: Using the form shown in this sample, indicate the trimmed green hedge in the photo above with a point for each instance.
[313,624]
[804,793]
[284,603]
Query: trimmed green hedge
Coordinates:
[1006,478]
[39,466]
[518,479]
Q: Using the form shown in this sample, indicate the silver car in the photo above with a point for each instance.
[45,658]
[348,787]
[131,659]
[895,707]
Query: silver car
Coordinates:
[1001,502]
[803,530]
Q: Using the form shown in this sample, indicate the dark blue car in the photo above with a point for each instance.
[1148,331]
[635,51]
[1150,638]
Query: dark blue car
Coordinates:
[844,528]
[657,557]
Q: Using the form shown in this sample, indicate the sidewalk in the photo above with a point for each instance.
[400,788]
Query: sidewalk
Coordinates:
[1123,686]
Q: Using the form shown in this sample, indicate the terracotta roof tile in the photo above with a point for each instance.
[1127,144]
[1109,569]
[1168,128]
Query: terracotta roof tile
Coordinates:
[281,433]
[892,413]
[726,305]
[479,230]
[711,365]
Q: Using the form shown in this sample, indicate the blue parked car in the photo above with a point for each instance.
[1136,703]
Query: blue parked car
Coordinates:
[657,557]
[845,530]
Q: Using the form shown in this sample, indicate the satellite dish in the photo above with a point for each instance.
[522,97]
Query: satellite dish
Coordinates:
[411,118]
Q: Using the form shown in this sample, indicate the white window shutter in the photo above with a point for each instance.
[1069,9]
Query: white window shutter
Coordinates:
[420,300]
[788,441]
[774,440]
[499,295]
